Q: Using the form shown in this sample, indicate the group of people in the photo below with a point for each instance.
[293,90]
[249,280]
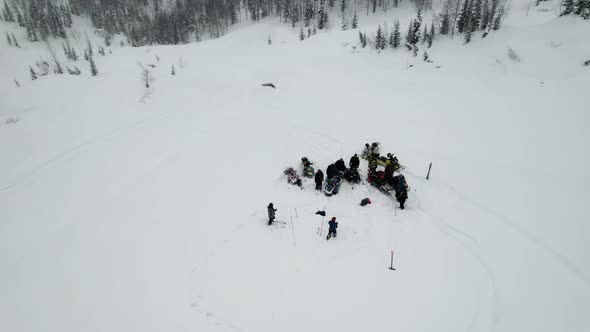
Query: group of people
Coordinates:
[332,224]
[338,168]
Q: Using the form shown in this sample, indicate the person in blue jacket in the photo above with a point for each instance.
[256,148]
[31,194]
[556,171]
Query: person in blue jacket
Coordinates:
[333,225]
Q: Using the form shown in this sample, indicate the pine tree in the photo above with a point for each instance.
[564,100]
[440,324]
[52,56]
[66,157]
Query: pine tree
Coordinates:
[425,57]
[431,35]
[395,39]
[301,34]
[498,19]
[468,35]
[464,17]
[322,17]
[89,47]
[416,31]
[445,24]
[410,34]
[308,32]
[269,40]
[14,41]
[380,39]
[425,34]
[58,68]
[344,24]
[173,72]
[355,22]
[343,5]
[93,69]
[8,39]
[308,13]
[33,74]
[568,8]
[8,16]
[19,17]
[485,15]
[476,15]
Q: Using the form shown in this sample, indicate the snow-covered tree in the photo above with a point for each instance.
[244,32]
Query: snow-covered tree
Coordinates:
[33,73]
[395,37]
[380,39]
[355,22]
[93,69]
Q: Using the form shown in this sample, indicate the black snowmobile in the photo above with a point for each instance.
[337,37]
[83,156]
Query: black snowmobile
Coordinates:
[333,185]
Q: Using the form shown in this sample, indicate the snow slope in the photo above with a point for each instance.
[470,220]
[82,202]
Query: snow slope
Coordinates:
[118,215]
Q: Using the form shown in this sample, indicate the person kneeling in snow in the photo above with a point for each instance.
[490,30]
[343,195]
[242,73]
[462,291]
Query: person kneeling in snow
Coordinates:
[333,225]
[365,201]
[271,213]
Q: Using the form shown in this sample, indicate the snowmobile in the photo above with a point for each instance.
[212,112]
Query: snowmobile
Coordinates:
[292,176]
[390,159]
[333,185]
[352,175]
[307,169]
[377,180]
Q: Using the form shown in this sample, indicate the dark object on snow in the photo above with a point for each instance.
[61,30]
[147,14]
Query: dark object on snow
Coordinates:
[292,176]
[352,175]
[587,63]
[389,169]
[269,84]
[321,213]
[331,171]
[271,213]
[319,179]
[365,201]
[332,230]
[354,162]
[340,165]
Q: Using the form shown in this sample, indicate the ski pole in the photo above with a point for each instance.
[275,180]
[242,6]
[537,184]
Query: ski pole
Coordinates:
[391,267]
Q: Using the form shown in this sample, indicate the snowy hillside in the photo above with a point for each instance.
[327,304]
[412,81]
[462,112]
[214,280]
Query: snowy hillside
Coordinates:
[124,208]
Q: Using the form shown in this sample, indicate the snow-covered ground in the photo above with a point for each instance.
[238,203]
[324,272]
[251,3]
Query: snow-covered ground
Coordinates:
[117,215]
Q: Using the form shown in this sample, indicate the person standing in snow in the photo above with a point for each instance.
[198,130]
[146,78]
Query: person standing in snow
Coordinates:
[332,231]
[319,179]
[271,213]
[340,165]
[401,197]
[367,151]
[354,162]
[331,171]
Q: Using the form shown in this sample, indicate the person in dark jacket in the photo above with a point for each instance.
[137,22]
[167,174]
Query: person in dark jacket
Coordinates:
[319,178]
[354,162]
[389,169]
[271,213]
[365,201]
[340,165]
[332,231]
[401,197]
[331,171]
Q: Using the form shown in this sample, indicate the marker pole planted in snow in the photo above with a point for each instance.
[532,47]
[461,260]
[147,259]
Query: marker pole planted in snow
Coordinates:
[428,175]
[391,267]
[293,230]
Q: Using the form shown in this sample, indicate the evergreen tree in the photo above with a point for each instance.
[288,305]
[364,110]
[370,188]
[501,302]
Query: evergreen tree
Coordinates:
[431,35]
[269,40]
[464,17]
[485,15]
[344,23]
[308,13]
[343,5]
[322,17]
[355,22]
[173,72]
[8,39]
[395,38]
[19,18]
[93,70]
[89,47]
[14,41]
[416,31]
[363,39]
[301,34]
[425,34]
[33,74]
[476,15]
[380,39]
[58,68]
[410,34]
[498,19]
[445,23]
[468,35]
[8,16]
[568,8]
